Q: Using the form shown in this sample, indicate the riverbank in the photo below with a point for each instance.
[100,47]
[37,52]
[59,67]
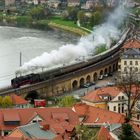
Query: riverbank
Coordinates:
[45,24]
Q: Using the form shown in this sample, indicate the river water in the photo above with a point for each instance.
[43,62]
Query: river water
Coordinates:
[30,43]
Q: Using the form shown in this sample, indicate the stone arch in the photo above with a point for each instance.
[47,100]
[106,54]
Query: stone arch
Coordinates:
[75,84]
[110,69]
[82,82]
[114,67]
[32,95]
[105,71]
[95,76]
[101,72]
[88,79]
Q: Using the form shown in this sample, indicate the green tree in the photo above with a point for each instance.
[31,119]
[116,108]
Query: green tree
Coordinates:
[72,13]
[67,101]
[81,16]
[37,13]
[97,17]
[100,49]
[127,132]
[85,133]
[6,102]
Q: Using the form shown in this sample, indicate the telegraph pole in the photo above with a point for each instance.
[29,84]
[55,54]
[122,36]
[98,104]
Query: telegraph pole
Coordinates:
[20,64]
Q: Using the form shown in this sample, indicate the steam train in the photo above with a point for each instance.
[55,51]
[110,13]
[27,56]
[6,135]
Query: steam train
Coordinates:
[38,77]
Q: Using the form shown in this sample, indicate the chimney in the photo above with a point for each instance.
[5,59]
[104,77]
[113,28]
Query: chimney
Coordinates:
[45,127]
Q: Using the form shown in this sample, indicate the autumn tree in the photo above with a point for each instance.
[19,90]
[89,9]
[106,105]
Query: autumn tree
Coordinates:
[128,82]
[67,101]
[6,102]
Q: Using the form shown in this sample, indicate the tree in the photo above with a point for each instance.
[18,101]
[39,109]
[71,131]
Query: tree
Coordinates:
[72,13]
[0,100]
[67,101]
[6,102]
[85,133]
[100,49]
[129,84]
[37,13]
[81,16]
[127,132]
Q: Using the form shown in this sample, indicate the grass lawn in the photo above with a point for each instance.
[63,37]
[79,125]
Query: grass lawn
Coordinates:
[59,20]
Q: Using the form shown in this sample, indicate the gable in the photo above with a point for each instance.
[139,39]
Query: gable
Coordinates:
[37,118]
[121,96]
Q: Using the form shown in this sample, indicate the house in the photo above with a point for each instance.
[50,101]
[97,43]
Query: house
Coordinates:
[73,3]
[34,131]
[9,2]
[61,119]
[110,98]
[110,122]
[94,116]
[54,3]
[130,57]
[90,4]
[19,102]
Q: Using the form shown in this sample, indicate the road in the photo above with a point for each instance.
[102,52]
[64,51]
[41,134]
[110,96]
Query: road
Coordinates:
[83,91]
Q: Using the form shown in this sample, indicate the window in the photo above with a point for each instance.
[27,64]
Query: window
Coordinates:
[125,62]
[114,108]
[119,109]
[136,62]
[122,97]
[138,116]
[119,66]
[119,98]
[131,63]
[136,69]
[122,108]
[130,68]
[125,69]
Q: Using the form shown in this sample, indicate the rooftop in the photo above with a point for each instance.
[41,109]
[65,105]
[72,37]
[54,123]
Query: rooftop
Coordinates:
[97,95]
[133,43]
[95,115]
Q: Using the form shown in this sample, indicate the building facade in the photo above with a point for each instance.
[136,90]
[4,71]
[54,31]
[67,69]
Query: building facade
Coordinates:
[130,58]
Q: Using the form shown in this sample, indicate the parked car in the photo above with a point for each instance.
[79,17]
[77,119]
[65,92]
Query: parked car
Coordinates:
[110,84]
[106,75]
[110,74]
[97,87]
[87,85]
[100,77]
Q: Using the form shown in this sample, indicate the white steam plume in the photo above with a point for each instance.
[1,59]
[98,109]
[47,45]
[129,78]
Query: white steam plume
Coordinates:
[102,34]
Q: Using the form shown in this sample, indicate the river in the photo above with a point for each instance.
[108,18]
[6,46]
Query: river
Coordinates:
[30,43]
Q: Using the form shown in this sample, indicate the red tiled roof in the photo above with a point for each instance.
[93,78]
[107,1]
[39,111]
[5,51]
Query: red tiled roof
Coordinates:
[8,116]
[97,115]
[25,115]
[103,134]
[60,116]
[18,100]
[133,43]
[95,95]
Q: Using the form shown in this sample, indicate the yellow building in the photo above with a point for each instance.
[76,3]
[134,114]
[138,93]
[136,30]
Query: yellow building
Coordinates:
[130,57]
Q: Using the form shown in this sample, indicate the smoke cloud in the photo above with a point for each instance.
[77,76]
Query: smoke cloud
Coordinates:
[102,34]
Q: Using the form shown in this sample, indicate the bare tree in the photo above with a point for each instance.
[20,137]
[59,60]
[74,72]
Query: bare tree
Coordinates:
[128,82]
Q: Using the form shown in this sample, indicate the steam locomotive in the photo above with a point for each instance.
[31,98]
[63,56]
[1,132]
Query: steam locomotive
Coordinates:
[38,77]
